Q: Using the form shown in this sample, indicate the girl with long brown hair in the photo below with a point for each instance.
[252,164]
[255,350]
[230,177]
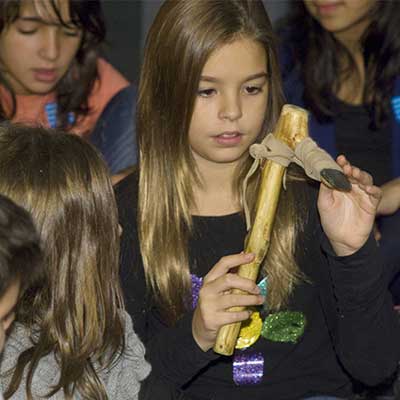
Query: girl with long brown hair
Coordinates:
[72,339]
[209,88]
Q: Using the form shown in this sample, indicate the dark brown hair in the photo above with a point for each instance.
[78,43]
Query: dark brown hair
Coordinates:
[20,253]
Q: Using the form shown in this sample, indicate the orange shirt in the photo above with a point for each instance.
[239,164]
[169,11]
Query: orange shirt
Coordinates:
[31,109]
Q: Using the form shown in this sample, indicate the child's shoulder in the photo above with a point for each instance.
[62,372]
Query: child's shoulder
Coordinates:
[134,346]
[124,377]
[19,339]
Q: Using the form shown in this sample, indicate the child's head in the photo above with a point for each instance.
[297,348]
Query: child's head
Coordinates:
[50,45]
[185,39]
[65,184]
[20,259]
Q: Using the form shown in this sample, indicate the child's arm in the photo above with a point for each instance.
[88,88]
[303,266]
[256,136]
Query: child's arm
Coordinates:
[390,202]
[125,377]
[366,330]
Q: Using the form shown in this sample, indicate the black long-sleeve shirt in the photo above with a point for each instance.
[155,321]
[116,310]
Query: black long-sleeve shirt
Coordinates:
[351,328]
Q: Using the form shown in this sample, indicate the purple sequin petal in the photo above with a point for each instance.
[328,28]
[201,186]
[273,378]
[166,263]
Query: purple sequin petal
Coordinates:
[197,283]
[248,368]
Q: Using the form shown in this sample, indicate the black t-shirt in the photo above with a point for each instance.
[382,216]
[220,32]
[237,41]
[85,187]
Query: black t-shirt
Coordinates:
[367,148]
[350,324]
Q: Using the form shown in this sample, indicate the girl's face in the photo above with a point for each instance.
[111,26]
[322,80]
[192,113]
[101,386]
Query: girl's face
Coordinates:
[340,16]
[36,50]
[231,103]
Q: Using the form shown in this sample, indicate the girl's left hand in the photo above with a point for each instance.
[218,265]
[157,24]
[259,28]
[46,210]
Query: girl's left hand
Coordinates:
[348,218]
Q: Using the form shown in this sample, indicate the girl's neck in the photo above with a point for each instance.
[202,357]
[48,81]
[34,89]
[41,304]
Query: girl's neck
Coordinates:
[351,87]
[216,194]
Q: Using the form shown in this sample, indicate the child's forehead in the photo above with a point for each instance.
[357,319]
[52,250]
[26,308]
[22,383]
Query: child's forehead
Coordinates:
[50,12]
[242,55]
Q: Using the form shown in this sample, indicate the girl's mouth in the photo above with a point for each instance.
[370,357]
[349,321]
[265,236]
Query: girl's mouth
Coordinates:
[229,138]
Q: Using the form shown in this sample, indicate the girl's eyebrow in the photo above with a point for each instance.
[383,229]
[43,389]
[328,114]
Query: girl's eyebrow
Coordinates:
[34,19]
[206,78]
[41,20]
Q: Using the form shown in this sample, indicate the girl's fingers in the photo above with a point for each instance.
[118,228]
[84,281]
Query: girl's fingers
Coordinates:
[345,165]
[240,300]
[234,316]
[355,175]
[375,193]
[361,177]
[231,281]
[227,263]
[342,161]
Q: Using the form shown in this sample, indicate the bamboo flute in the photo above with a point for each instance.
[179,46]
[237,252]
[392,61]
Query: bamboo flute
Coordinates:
[291,128]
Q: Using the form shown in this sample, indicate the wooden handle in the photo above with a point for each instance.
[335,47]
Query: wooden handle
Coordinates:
[291,128]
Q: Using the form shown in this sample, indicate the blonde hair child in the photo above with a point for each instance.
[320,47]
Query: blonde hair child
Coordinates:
[72,338]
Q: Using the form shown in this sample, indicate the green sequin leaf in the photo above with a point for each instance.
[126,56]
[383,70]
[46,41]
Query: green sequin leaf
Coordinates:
[284,326]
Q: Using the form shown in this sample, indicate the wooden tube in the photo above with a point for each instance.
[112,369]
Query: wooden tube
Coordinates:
[291,128]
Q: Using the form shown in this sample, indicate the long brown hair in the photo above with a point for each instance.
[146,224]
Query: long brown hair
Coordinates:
[181,39]
[74,88]
[74,311]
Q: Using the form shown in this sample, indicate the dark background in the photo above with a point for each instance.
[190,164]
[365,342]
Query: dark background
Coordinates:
[127,24]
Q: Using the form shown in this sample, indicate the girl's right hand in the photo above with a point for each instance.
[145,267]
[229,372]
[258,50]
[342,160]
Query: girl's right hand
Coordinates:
[214,299]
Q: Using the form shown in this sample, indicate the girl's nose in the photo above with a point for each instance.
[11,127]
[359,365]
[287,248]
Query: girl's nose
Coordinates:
[50,47]
[230,108]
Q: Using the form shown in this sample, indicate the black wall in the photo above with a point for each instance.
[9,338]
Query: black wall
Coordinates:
[127,24]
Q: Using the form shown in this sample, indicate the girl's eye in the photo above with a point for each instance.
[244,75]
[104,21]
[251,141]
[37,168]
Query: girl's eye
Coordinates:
[253,90]
[206,92]
[28,29]
[27,32]
[71,32]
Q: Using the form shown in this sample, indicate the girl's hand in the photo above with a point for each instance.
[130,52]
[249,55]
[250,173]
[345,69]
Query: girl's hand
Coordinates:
[214,299]
[348,218]
[390,197]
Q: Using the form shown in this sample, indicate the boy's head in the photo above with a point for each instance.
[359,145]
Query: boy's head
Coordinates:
[20,259]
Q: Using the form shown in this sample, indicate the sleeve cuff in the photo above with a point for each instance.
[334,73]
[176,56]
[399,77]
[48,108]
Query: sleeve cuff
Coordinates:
[174,354]
[198,356]
[364,251]
[357,279]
